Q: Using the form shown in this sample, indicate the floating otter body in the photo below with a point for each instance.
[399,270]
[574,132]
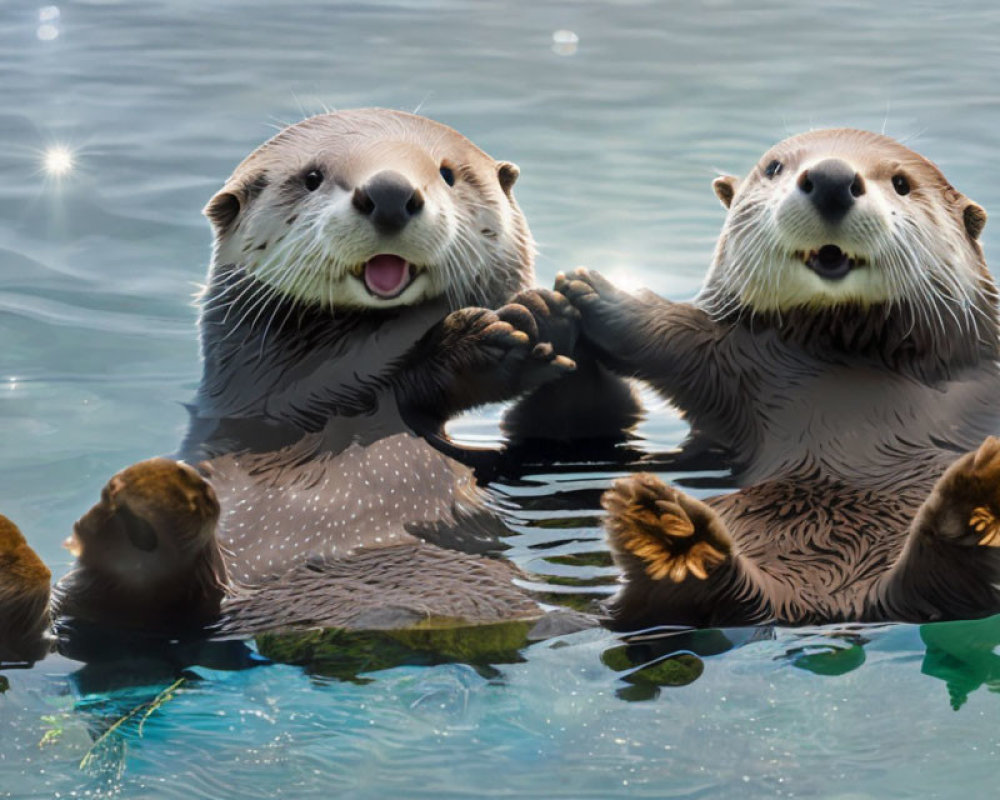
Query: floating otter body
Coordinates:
[347,317]
[844,352]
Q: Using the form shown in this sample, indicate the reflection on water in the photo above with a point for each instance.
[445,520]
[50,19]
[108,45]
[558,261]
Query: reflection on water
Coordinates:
[619,115]
[963,655]
[103,715]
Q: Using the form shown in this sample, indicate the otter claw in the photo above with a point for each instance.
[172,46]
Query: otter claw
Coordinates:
[983,521]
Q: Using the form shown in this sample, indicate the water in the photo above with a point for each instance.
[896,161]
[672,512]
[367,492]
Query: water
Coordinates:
[618,140]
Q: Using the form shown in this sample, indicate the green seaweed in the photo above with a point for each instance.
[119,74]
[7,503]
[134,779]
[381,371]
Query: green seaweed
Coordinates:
[829,659]
[347,655]
[112,748]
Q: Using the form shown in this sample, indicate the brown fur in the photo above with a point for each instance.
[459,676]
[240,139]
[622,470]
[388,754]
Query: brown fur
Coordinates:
[841,413]
[147,556]
[319,416]
[24,597]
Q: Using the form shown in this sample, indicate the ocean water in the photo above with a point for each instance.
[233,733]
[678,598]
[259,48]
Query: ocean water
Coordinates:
[619,115]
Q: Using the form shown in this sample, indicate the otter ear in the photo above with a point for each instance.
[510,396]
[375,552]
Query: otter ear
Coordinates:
[725,188]
[222,209]
[507,173]
[974,218]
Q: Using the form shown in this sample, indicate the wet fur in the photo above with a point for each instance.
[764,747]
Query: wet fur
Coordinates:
[24,598]
[840,419]
[315,422]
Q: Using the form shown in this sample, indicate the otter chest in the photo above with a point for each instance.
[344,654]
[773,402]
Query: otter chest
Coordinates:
[869,428]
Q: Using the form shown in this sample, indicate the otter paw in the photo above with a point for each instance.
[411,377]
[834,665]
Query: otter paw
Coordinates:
[144,504]
[553,318]
[509,340]
[585,288]
[983,522]
[965,506]
[22,572]
[609,317]
[671,534]
[984,470]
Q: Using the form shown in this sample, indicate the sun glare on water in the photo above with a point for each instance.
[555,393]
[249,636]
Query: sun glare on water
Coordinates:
[57,161]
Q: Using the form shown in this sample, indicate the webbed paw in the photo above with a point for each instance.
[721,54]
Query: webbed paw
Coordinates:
[965,508]
[671,534]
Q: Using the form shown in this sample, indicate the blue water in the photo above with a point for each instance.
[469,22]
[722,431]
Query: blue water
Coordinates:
[618,142]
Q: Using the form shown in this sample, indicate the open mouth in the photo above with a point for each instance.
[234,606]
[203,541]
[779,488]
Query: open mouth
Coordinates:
[387,276]
[830,262]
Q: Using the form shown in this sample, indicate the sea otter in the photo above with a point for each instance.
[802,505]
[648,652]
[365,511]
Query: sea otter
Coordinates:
[348,314]
[843,350]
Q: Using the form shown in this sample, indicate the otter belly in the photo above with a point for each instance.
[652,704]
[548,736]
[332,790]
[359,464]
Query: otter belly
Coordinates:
[297,505]
[820,545]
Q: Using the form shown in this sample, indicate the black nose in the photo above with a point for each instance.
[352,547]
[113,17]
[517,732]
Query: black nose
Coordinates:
[389,200]
[832,186]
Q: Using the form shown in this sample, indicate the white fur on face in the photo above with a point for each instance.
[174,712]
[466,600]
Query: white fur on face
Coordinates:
[313,245]
[905,247]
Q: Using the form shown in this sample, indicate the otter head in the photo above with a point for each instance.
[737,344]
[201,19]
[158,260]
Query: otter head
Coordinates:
[848,218]
[154,520]
[370,209]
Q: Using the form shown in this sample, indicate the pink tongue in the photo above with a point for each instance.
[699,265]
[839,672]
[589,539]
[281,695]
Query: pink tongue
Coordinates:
[386,276]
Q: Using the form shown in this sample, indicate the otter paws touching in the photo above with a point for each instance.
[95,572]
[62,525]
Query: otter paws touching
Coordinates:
[672,534]
[345,319]
[608,314]
[480,355]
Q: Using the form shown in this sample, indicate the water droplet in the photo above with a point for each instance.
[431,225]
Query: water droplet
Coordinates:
[564,42]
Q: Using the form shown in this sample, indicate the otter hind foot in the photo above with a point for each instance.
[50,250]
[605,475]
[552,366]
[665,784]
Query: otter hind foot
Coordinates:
[983,521]
[964,508]
[672,535]
[25,584]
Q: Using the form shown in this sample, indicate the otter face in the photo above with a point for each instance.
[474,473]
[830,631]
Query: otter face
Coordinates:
[371,209]
[836,217]
[153,520]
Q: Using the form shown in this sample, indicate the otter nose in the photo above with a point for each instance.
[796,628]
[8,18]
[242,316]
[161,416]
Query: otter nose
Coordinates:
[390,200]
[832,186]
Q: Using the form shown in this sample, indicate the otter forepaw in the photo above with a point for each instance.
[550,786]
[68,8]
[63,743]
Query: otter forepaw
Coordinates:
[671,534]
[516,342]
[553,318]
[585,288]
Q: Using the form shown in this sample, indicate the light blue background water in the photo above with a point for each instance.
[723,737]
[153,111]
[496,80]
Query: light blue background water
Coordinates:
[618,143]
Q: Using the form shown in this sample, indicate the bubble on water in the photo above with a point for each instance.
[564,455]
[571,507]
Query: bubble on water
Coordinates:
[47,32]
[564,42]
[48,14]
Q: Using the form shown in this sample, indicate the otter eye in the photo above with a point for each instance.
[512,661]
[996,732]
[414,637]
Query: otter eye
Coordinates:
[449,175]
[772,169]
[313,179]
[900,184]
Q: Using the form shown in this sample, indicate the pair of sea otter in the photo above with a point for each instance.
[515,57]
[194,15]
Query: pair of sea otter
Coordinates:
[371,279]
